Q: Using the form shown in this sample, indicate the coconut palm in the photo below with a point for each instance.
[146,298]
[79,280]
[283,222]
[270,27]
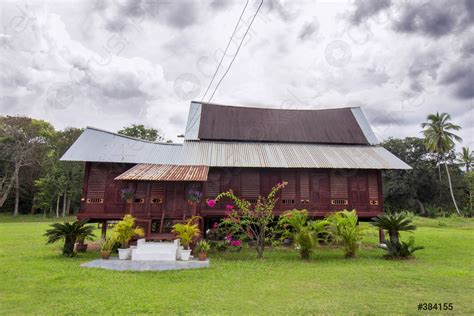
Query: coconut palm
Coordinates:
[394,224]
[439,139]
[69,232]
[466,158]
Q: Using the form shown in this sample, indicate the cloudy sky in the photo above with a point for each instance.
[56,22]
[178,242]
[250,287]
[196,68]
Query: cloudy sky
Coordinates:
[112,63]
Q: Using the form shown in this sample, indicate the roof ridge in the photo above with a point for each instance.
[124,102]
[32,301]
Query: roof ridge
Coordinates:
[270,108]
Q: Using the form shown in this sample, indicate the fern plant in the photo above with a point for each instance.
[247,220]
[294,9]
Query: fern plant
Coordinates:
[343,226]
[296,224]
[69,232]
[394,223]
[401,250]
[125,230]
[187,231]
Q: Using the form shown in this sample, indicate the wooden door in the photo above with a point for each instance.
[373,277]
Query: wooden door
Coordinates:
[175,202]
[157,198]
[320,190]
[358,188]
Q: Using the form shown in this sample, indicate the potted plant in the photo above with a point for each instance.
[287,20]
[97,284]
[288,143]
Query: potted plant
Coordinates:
[194,198]
[128,194]
[106,248]
[80,245]
[69,232]
[186,233]
[123,232]
[203,248]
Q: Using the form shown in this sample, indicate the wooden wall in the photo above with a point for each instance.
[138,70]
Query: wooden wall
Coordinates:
[318,190]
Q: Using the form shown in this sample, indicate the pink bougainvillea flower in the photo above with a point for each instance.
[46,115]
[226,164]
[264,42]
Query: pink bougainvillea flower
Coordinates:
[229,207]
[215,225]
[236,243]
[228,237]
[211,203]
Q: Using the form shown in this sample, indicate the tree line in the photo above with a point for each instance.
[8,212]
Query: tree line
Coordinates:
[34,180]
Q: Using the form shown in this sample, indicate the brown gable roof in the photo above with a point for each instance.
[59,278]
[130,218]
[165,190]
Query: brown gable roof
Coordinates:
[329,126]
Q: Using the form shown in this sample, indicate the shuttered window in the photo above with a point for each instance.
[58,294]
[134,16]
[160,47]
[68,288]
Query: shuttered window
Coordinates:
[288,194]
[213,184]
[373,186]
[320,188]
[304,186]
[96,183]
[140,192]
[339,186]
[250,184]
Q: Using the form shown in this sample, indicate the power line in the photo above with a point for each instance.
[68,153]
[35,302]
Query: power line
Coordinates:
[225,51]
[237,52]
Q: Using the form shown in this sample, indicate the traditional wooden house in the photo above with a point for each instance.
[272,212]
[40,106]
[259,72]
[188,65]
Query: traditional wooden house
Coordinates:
[330,159]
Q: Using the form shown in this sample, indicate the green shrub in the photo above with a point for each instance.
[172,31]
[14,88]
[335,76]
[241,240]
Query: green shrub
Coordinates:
[401,250]
[203,246]
[108,244]
[394,223]
[69,232]
[305,241]
[346,231]
[125,230]
[295,224]
[187,231]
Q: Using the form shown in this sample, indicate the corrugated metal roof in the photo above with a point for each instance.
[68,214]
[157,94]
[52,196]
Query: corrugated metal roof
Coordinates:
[216,122]
[288,155]
[153,172]
[102,146]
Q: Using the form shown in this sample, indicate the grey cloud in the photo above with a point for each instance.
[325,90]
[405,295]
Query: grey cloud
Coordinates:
[365,9]
[219,4]
[461,78]
[176,14]
[308,30]
[431,18]
[282,10]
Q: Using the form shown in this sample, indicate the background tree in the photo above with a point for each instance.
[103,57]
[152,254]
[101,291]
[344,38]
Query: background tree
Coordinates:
[22,140]
[440,140]
[410,189]
[61,182]
[142,132]
[466,158]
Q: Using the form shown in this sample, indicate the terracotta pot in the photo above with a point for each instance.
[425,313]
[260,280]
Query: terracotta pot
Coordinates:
[202,256]
[105,254]
[80,247]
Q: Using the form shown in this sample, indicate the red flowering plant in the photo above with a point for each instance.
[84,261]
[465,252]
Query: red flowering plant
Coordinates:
[253,220]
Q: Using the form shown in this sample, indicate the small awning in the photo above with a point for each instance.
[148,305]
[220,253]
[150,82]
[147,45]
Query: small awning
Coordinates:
[154,172]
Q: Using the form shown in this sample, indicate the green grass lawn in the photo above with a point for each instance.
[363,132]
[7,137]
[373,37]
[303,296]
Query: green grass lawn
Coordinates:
[35,279]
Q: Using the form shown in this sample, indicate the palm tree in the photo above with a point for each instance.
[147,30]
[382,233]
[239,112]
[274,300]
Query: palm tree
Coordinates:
[394,224]
[440,140]
[466,158]
[69,232]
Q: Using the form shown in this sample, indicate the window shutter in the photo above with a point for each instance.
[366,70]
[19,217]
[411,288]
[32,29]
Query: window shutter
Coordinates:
[96,182]
[289,191]
[373,186]
[304,186]
[250,184]
[213,184]
[339,186]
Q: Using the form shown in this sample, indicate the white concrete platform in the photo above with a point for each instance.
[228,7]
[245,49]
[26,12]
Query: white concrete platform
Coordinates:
[156,251]
[128,265]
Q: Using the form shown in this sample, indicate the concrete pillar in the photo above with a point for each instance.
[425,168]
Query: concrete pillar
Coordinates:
[381,236]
